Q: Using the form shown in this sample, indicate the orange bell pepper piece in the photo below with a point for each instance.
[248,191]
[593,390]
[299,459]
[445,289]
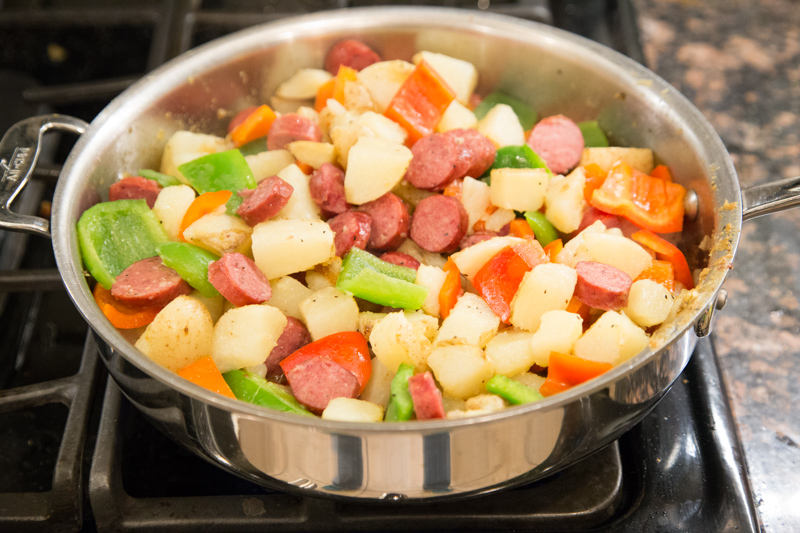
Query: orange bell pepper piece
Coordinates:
[306,169]
[454,189]
[451,289]
[661,272]
[519,227]
[256,125]
[579,308]
[344,75]
[667,251]
[201,206]
[662,172]
[420,103]
[120,315]
[595,176]
[553,248]
[324,93]
[565,371]
[204,372]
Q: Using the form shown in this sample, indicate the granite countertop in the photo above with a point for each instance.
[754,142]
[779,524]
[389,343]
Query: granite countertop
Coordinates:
[739,62]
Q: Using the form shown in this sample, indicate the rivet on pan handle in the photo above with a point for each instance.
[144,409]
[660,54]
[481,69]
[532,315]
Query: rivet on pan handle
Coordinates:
[19,151]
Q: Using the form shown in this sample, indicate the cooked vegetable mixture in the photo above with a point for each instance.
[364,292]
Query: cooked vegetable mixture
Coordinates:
[394,248]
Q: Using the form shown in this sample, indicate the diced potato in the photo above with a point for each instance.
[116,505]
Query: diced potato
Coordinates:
[575,249]
[499,219]
[481,404]
[548,287]
[300,205]
[395,340]
[502,127]
[460,369]
[558,332]
[329,311]
[308,112]
[456,116]
[287,293]
[357,97]
[639,158]
[423,256]
[220,233]
[613,338]
[245,336]
[259,370]
[565,201]
[352,410]
[470,260]
[214,304]
[267,164]
[179,335]
[344,138]
[649,303]
[313,153]
[171,205]
[284,106]
[367,321]
[330,269]
[410,194]
[476,199]
[460,75]
[316,281]
[618,251]
[378,389]
[303,84]
[374,167]
[520,189]
[185,146]
[529,379]
[510,352]
[383,79]
[282,247]
[428,325]
[431,278]
[471,321]
[382,127]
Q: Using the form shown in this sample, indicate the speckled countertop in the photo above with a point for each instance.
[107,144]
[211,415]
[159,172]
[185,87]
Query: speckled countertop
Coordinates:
[739,62]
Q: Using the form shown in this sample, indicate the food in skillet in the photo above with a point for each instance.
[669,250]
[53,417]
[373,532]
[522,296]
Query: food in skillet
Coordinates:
[402,249]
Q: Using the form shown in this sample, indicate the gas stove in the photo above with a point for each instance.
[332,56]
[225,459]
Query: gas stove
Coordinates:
[77,456]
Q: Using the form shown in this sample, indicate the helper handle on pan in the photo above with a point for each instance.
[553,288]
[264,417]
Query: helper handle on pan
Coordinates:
[19,151]
[770,198]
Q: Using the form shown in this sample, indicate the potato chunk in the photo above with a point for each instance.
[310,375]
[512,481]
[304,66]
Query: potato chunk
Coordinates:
[303,84]
[220,233]
[510,352]
[456,116]
[548,287]
[502,127]
[470,260]
[329,311]
[618,251]
[565,201]
[287,293]
[185,146]
[378,389]
[520,189]
[374,167]
[282,247]
[460,369]
[614,338]
[433,279]
[649,303]
[171,205]
[460,75]
[300,205]
[269,163]
[557,333]
[396,340]
[313,153]
[353,410]
[245,336]
[471,321]
[383,79]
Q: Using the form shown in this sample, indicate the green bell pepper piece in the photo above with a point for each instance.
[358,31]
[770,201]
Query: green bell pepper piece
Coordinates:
[543,229]
[525,114]
[593,136]
[357,259]
[191,262]
[114,235]
[233,204]
[512,391]
[254,147]
[400,407]
[381,289]
[222,171]
[518,157]
[165,180]
[257,390]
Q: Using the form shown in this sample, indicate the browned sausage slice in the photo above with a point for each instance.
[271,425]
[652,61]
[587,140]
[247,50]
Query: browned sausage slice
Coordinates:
[135,188]
[292,127]
[559,141]
[426,397]
[477,151]
[326,186]
[475,238]
[350,53]
[400,259]
[439,223]
[602,286]
[265,201]
[239,280]
[352,229]
[317,381]
[436,162]
[148,283]
[390,221]
[294,336]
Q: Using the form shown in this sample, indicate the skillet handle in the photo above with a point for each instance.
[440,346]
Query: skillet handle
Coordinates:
[770,198]
[19,151]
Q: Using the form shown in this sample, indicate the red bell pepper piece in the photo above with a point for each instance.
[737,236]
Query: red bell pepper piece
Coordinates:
[420,103]
[120,315]
[256,125]
[451,289]
[204,372]
[347,348]
[648,202]
[565,371]
[661,272]
[667,251]
[201,206]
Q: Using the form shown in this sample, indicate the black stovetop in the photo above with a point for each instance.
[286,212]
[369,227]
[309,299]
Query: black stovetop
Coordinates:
[77,456]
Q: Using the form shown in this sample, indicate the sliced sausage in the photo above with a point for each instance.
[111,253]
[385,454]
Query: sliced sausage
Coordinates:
[477,151]
[326,185]
[294,336]
[439,223]
[593,214]
[602,286]
[390,222]
[240,117]
[350,53]
[436,162]
[292,127]
[426,397]
[400,259]
[239,280]
[352,229]
[265,201]
[135,188]
[317,381]
[148,283]
[475,238]
[559,141]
